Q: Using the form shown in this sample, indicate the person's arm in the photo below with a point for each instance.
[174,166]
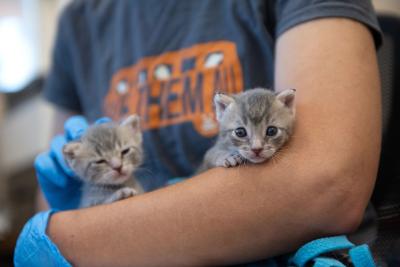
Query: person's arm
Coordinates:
[318,185]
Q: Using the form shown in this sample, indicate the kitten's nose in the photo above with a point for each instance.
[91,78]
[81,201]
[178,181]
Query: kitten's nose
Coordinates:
[256,151]
[118,168]
[116,164]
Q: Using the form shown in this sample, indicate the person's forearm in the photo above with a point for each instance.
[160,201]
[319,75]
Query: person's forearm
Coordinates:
[197,223]
[318,185]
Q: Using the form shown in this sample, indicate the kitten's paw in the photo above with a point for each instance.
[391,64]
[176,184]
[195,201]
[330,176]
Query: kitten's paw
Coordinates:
[233,161]
[122,193]
[126,192]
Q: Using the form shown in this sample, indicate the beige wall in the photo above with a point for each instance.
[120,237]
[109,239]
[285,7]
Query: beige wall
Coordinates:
[26,131]
[387,6]
[49,11]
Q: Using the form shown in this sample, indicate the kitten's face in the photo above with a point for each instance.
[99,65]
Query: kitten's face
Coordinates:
[107,153]
[256,123]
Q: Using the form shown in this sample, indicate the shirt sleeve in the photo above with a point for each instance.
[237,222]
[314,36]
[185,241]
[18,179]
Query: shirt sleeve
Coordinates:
[291,13]
[60,86]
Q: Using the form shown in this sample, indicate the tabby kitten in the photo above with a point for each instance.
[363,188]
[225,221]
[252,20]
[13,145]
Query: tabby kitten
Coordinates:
[104,159]
[254,125]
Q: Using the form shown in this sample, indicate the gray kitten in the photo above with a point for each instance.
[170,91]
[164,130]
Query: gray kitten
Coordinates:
[254,125]
[104,159]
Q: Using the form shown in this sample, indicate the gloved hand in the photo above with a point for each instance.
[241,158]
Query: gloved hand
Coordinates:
[34,248]
[61,189]
[58,182]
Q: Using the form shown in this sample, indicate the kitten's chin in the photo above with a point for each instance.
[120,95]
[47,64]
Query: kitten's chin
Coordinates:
[121,178]
[114,178]
[256,159]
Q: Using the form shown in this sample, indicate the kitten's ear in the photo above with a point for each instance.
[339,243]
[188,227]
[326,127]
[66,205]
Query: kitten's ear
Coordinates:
[287,98]
[221,102]
[132,121]
[71,149]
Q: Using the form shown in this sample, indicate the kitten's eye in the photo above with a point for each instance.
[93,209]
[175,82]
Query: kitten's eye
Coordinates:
[272,131]
[100,161]
[125,151]
[240,132]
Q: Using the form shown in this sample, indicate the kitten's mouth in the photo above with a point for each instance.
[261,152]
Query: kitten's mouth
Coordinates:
[120,176]
[256,159]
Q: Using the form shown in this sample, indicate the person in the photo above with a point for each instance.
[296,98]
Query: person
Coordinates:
[164,61]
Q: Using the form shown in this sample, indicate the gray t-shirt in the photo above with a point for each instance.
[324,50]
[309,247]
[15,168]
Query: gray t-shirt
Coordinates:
[164,60]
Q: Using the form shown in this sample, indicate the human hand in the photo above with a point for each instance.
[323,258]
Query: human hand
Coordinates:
[58,182]
[34,248]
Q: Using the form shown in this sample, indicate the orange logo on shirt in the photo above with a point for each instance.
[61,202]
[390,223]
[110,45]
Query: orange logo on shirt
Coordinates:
[176,87]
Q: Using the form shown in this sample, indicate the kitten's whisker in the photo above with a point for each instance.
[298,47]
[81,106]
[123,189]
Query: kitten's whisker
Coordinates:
[274,159]
[244,164]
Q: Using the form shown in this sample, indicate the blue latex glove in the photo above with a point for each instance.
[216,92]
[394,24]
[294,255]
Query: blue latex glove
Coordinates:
[58,182]
[61,189]
[34,248]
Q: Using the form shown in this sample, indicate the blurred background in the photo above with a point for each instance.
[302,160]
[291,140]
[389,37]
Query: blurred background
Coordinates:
[27,29]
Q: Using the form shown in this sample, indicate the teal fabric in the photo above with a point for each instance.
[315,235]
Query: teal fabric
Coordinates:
[311,252]
[361,256]
[327,262]
[320,246]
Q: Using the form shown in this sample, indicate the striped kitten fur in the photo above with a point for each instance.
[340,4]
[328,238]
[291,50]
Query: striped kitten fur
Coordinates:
[105,159]
[254,125]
